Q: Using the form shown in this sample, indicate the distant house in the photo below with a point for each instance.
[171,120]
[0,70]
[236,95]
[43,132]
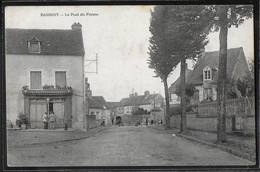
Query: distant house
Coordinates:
[113,111]
[205,73]
[147,101]
[174,98]
[45,73]
[98,107]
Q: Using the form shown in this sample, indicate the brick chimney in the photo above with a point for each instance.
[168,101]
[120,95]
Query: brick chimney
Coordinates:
[76,26]
[136,94]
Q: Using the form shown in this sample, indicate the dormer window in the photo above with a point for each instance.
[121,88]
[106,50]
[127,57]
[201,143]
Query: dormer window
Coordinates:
[34,45]
[207,74]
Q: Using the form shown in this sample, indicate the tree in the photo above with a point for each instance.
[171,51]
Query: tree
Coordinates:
[188,27]
[189,91]
[178,33]
[161,60]
[225,17]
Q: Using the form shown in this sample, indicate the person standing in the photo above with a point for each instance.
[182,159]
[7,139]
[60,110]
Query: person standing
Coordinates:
[52,121]
[45,120]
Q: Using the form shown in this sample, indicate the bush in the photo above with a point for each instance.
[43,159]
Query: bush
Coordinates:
[22,119]
[177,109]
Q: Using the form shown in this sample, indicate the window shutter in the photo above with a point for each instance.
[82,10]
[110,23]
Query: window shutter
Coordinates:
[60,79]
[36,80]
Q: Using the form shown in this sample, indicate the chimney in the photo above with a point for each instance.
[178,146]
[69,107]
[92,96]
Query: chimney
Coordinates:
[146,93]
[136,94]
[76,26]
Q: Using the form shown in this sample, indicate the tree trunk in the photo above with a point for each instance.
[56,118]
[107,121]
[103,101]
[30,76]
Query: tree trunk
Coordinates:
[167,114]
[183,127]
[222,73]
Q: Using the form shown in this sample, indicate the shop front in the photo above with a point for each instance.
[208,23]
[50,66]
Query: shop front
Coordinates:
[37,102]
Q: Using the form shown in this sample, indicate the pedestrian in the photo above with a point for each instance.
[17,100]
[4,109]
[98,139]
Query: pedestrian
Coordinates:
[45,120]
[52,118]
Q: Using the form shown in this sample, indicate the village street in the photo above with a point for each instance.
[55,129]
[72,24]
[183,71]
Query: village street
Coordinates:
[123,146]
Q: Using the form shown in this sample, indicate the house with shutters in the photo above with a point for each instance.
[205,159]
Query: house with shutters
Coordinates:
[45,73]
[205,73]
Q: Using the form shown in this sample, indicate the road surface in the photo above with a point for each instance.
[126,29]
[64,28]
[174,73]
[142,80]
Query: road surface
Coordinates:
[124,146]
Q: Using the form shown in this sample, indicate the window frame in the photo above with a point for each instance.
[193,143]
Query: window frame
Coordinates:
[207,74]
[31,80]
[34,41]
[55,84]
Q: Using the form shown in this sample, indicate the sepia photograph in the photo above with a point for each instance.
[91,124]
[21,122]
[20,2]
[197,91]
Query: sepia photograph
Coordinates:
[130,86]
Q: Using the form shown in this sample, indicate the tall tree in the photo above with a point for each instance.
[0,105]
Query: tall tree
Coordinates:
[188,28]
[161,60]
[225,17]
[178,33]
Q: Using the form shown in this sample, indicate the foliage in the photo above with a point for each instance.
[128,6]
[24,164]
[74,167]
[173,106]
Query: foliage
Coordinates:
[139,111]
[21,119]
[176,110]
[189,90]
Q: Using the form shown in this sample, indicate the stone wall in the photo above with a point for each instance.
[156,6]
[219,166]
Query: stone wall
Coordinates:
[196,122]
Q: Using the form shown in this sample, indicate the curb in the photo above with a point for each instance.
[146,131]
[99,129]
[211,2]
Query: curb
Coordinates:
[58,141]
[221,147]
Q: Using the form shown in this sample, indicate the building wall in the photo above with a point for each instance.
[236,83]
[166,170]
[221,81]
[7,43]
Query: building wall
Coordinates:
[101,114]
[18,69]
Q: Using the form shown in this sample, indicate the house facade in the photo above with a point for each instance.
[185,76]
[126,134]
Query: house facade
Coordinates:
[45,73]
[98,107]
[205,73]
[174,98]
[147,101]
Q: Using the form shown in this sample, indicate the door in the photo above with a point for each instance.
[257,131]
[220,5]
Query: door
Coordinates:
[36,114]
[238,123]
[58,109]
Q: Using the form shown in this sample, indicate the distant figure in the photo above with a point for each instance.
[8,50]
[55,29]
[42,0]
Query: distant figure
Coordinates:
[146,122]
[161,122]
[151,122]
[45,120]
[52,118]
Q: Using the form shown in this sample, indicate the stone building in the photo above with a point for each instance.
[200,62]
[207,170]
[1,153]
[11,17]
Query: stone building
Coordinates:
[45,73]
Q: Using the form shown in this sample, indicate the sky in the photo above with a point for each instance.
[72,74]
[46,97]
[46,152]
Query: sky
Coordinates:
[119,35]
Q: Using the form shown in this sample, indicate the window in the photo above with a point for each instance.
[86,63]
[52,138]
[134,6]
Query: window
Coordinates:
[34,45]
[35,80]
[208,94]
[207,73]
[60,79]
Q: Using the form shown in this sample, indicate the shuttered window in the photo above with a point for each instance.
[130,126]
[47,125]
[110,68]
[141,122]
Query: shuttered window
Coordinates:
[60,79]
[35,80]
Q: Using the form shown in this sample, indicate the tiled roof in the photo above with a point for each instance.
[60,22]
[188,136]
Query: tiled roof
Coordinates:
[53,42]
[112,105]
[211,59]
[97,102]
[173,86]
[138,100]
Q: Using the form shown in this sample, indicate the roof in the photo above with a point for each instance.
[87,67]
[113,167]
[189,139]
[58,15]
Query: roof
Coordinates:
[138,100]
[174,85]
[112,105]
[234,57]
[97,102]
[53,42]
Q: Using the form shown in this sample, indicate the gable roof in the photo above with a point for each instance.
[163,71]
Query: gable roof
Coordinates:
[138,100]
[53,42]
[97,102]
[174,85]
[112,105]
[234,57]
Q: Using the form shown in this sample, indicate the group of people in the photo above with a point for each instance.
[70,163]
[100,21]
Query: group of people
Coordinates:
[49,121]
